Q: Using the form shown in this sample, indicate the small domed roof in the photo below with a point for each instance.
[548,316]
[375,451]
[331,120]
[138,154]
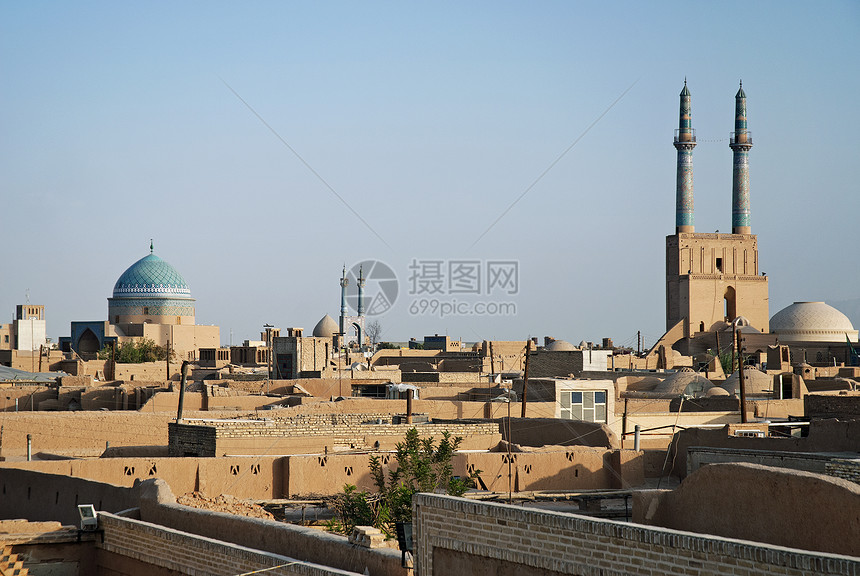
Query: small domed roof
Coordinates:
[559,346]
[151,277]
[326,327]
[685,381]
[755,382]
[812,321]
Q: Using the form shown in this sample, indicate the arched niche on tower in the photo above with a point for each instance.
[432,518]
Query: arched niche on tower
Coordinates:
[730,304]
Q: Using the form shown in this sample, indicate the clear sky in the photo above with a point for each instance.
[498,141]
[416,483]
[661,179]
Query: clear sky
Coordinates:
[120,122]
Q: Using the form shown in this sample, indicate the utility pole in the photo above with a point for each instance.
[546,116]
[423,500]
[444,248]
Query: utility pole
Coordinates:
[268,328]
[510,463]
[168,359]
[526,378]
[741,380]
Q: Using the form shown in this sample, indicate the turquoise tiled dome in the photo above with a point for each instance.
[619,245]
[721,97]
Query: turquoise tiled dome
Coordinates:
[151,277]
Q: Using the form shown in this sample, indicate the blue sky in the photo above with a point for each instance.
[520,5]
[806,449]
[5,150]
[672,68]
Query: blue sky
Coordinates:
[429,120]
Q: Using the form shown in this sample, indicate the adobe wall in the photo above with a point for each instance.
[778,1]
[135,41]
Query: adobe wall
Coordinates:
[765,409]
[566,469]
[79,433]
[28,397]
[459,536]
[42,497]
[824,436]
[658,426]
[158,506]
[83,433]
[258,478]
[542,431]
[774,505]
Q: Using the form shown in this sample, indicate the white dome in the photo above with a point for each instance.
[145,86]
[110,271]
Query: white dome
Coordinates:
[559,346]
[812,322]
[326,327]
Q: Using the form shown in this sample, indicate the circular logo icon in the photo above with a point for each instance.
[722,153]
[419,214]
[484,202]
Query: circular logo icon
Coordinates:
[380,287]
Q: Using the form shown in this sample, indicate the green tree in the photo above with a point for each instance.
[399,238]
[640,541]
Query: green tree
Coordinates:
[422,466]
[136,352]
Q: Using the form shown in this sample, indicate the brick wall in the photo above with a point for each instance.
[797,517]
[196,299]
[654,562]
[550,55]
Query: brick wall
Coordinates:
[470,535]
[699,456]
[847,469]
[217,437]
[831,406]
[190,554]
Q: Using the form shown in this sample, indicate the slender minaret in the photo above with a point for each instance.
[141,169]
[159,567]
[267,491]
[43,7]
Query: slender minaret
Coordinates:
[740,142]
[685,141]
[344,282]
[360,291]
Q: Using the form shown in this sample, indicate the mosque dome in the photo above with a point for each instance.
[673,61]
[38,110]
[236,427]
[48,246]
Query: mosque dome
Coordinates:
[151,291]
[326,327]
[151,276]
[812,322]
[559,346]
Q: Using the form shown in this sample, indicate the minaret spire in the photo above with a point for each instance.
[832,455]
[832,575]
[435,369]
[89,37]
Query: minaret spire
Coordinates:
[685,141]
[344,282]
[360,291]
[740,142]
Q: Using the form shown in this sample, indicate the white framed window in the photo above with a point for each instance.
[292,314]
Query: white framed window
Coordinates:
[588,405]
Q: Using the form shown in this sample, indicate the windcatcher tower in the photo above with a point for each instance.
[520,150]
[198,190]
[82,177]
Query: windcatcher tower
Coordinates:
[714,278]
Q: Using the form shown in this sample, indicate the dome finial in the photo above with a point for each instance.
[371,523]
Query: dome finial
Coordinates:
[150,245]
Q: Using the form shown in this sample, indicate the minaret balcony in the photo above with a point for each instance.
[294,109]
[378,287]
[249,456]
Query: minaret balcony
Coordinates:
[742,138]
[687,136]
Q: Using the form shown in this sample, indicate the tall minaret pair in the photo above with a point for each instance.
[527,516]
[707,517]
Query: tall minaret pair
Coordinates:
[347,321]
[740,142]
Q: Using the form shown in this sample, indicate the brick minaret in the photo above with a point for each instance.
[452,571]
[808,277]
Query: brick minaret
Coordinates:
[740,142]
[685,141]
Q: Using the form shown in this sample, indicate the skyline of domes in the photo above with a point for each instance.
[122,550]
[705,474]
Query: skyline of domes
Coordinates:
[812,322]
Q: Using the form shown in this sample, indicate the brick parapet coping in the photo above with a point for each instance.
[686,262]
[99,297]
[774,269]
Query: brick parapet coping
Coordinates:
[573,544]
[192,554]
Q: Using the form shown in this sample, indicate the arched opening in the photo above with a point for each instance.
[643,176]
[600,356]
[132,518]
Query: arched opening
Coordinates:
[359,337]
[88,345]
[729,310]
[702,326]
